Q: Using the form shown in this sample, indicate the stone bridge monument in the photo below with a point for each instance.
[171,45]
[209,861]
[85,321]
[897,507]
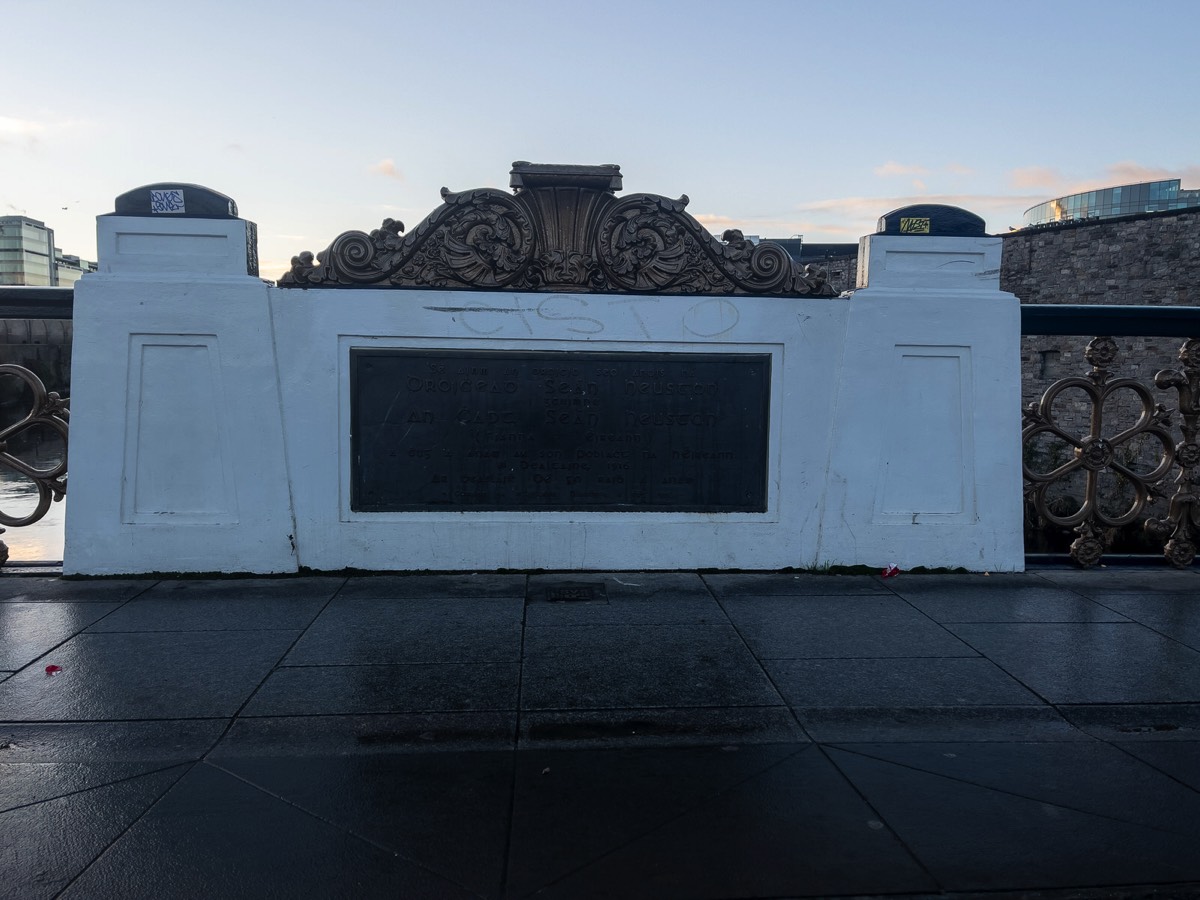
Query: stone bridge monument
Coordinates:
[557,378]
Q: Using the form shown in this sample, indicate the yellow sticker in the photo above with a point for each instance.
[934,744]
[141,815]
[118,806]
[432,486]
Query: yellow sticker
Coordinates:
[914,226]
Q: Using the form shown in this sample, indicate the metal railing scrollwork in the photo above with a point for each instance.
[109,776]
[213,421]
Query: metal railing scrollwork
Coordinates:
[49,411]
[1182,522]
[1135,460]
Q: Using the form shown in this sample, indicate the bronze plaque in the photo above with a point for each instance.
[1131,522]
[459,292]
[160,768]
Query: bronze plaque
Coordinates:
[475,430]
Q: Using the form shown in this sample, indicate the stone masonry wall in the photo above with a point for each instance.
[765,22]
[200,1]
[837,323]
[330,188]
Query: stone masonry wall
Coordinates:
[842,271]
[1151,259]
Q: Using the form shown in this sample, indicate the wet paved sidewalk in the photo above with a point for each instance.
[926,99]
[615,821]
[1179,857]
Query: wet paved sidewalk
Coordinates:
[668,735]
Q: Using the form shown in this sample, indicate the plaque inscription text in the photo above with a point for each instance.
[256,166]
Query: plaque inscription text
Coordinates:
[475,430]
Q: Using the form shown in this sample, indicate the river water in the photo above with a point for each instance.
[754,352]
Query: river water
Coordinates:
[43,540]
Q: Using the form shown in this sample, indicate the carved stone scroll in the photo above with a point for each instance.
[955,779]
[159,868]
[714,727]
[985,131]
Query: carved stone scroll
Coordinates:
[563,229]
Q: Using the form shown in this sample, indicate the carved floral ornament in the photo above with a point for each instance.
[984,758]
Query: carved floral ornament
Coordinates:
[563,229]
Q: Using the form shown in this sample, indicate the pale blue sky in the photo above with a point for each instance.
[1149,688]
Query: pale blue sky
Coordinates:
[776,117]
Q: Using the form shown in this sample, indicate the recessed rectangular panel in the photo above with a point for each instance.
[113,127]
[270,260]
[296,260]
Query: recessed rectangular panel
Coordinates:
[498,430]
[926,437]
[176,468]
[932,262]
[133,243]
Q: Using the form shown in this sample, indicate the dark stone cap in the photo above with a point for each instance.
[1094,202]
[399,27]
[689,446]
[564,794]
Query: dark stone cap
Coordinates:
[545,175]
[174,198]
[932,219]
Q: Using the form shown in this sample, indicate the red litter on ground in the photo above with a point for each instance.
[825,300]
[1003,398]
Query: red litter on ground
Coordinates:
[891,571]
[53,670]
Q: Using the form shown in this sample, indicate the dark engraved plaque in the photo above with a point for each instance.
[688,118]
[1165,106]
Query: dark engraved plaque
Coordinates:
[497,430]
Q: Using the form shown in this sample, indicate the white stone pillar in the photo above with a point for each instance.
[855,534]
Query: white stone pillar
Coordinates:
[926,464]
[176,450]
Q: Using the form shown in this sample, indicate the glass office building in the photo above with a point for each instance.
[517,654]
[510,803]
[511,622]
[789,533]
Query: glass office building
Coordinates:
[26,252]
[1123,200]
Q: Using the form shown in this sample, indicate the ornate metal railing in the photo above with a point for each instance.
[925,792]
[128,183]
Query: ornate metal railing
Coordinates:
[1122,452]
[37,410]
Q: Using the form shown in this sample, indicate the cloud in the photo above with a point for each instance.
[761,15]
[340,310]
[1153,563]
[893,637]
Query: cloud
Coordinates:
[387,167]
[958,169]
[1054,184]
[30,131]
[890,168]
[1035,177]
[918,185]
[20,128]
[1129,172]
[877,206]
[712,220]
[849,218]
[768,227]
[21,131]
[824,228]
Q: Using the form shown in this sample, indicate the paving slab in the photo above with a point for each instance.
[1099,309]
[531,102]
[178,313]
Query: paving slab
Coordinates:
[157,675]
[26,589]
[385,733]
[809,627]
[726,735]
[169,741]
[609,728]
[455,586]
[1085,776]
[45,845]
[378,631]
[27,630]
[1136,721]
[964,582]
[26,783]
[751,822]
[975,838]
[628,666]
[214,835]
[1178,759]
[629,598]
[438,687]
[307,587]
[408,804]
[1176,615]
[1151,579]
[1098,662]
[921,683]
[241,604]
[766,584]
[954,598]
[985,723]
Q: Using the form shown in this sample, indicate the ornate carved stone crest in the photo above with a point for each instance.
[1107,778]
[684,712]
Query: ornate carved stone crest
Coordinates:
[562,229]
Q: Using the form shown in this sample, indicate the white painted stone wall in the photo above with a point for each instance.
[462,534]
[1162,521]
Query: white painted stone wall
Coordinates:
[926,463]
[176,447]
[210,419]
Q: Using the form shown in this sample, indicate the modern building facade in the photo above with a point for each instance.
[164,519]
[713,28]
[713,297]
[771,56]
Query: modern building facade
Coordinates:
[70,268]
[26,252]
[1107,203]
[28,255]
